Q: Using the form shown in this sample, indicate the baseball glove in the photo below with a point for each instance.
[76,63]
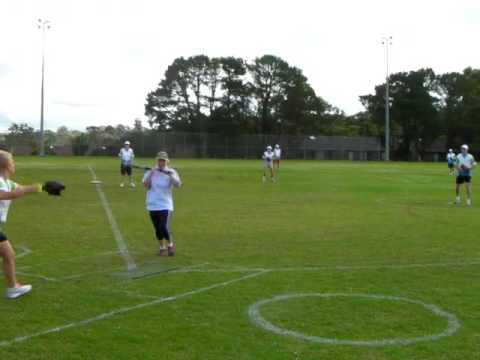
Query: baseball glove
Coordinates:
[53,188]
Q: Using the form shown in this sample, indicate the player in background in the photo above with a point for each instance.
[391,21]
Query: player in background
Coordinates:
[451,158]
[268,164]
[277,156]
[465,163]
[159,183]
[9,191]
[126,156]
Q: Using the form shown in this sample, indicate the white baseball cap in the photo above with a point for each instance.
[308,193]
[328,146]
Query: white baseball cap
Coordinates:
[277,146]
[465,146]
[126,142]
[450,150]
[269,147]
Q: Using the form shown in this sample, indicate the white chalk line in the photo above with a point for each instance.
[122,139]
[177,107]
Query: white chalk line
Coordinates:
[256,317]
[132,294]
[122,246]
[232,269]
[127,309]
[38,276]
[236,269]
[25,251]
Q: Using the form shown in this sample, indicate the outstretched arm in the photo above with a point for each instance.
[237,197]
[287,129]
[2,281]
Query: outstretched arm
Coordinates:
[20,191]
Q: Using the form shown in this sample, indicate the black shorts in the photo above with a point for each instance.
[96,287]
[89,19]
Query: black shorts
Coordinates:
[464,179]
[450,165]
[125,169]
[3,236]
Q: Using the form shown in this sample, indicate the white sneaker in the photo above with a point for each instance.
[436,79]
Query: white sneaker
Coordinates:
[132,185]
[122,185]
[13,293]
[457,200]
[469,202]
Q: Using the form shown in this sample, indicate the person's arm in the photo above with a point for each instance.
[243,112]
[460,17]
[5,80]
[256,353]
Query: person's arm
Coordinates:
[174,177]
[147,178]
[19,191]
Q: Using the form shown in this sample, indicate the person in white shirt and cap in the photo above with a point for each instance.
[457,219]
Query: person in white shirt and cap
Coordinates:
[277,156]
[159,183]
[451,158]
[126,156]
[465,163]
[268,164]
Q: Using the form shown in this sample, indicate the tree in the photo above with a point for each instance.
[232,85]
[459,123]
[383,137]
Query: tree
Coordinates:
[460,106]
[414,110]
[269,89]
[21,134]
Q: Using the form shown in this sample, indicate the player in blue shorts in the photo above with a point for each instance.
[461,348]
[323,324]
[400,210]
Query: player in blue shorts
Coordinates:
[464,164]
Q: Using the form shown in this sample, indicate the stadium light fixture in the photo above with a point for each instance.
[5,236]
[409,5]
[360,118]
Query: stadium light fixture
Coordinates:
[387,41]
[43,25]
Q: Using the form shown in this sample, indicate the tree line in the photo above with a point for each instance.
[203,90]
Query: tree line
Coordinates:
[268,96]
[231,96]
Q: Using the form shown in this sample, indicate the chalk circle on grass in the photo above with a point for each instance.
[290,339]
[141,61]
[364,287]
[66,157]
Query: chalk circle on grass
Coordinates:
[256,317]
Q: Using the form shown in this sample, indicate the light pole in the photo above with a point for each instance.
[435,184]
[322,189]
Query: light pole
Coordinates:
[42,25]
[387,41]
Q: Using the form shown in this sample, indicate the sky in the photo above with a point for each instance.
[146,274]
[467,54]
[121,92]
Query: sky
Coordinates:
[103,57]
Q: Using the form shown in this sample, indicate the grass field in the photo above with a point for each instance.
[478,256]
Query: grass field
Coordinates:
[351,230]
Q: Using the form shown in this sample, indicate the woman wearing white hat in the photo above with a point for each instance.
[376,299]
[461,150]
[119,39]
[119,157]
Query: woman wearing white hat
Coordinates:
[464,164]
[159,183]
[126,156]
[451,161]
[268,164]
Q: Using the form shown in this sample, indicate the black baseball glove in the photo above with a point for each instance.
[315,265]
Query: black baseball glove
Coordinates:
[53,188]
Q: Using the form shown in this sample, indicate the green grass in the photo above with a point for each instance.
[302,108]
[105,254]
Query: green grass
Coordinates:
[351,221]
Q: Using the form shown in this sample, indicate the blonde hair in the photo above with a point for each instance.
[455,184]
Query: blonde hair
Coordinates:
[6,159]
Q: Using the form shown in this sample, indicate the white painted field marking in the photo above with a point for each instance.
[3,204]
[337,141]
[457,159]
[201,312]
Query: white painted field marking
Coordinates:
[335,267]
[131,293]
[127,309]
[122,246]
[452,327]
[25,251]
[38,276]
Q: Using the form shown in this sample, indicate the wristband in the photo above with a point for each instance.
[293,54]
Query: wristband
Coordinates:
[38,187]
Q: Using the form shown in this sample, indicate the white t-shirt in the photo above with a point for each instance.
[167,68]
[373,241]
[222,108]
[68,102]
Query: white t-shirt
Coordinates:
[467,161]
[126,156]
[268,158]
[277,153]
[7,186]
[159,196]
[450,157]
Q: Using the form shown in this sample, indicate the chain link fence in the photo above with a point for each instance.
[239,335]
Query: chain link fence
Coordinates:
[214,146]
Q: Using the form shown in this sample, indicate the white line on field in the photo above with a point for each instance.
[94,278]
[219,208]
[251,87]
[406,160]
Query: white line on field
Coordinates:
[38,276]
[122,246]
[25,252]
[256,317]
[132,294]
[232,269]
[127,309]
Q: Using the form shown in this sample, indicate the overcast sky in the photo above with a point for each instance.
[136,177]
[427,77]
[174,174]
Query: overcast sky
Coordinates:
[102,56]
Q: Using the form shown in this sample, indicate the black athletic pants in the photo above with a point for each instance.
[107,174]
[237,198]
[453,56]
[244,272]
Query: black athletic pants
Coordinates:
[161,223]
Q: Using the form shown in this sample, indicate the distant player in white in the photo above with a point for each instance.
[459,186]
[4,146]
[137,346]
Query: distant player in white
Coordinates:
[464,164]
[451,159]
[268,164]
[277,156]
[126,156]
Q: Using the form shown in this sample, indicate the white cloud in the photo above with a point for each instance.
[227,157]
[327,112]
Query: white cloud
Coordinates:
[111,53]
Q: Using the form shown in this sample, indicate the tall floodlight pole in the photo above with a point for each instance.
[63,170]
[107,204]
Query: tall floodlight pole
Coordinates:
[387,41]
[42,25]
